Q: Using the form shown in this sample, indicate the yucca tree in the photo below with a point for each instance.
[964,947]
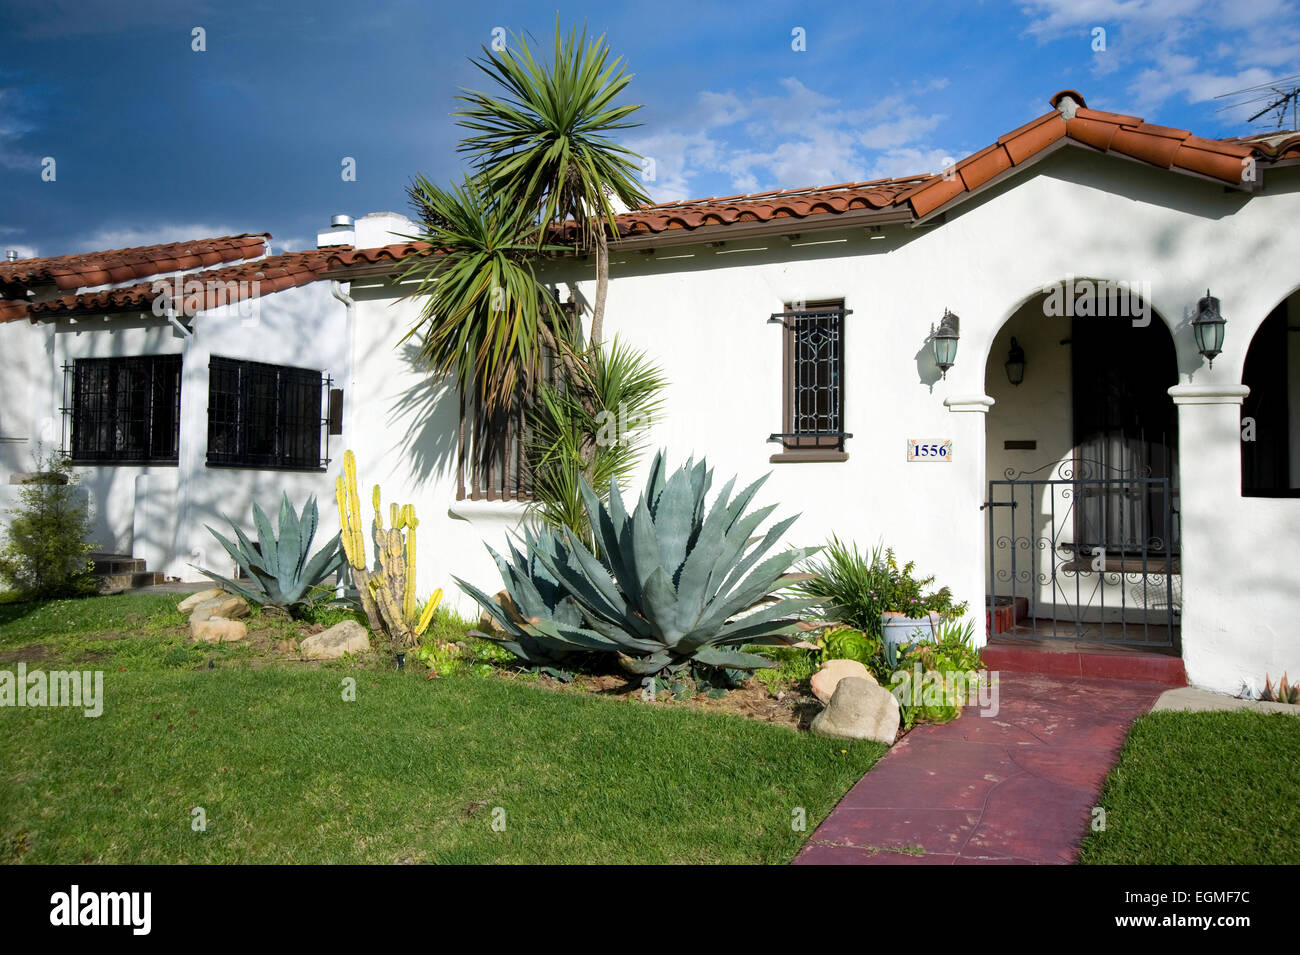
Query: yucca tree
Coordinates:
[590,427]
[545,147]
[486,316]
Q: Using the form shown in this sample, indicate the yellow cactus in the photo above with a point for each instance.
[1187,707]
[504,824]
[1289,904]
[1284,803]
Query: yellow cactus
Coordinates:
[426,618]
[387,591]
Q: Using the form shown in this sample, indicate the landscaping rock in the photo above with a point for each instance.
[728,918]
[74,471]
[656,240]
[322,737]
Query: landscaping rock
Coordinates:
[860,709]
[193,600]
[226,606]
[488,624]
[346,637]
[828,677]
[217,630]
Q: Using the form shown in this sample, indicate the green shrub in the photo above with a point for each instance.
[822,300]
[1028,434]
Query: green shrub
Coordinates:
[932,679]
[45,549]
[856,589]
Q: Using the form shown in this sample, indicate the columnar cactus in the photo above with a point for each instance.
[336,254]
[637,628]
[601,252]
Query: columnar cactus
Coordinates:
[388,590]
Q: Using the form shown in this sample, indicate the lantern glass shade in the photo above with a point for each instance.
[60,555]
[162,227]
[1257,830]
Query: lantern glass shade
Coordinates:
[1208,327]
[1015,363]
[945,342]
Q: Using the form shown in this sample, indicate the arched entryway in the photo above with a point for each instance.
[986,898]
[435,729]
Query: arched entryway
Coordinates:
[1270,414]
[1082,526]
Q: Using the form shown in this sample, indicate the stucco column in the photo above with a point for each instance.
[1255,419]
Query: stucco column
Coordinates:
[1209,462]
[968,493]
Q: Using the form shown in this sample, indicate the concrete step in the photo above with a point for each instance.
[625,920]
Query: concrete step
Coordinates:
[118,583]
[1077,658]
[110,564]
[120,572]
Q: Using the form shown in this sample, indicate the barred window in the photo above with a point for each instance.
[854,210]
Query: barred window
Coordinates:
[812,401]
[264,416]
[125,410]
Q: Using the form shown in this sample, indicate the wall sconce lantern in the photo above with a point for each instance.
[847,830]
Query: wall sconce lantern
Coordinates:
[1015,363]
[1208,327]
[944,341]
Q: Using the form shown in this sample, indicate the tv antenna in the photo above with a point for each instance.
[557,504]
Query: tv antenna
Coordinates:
[1270,97]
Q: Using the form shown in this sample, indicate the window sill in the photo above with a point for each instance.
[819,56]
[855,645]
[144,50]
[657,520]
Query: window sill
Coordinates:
[794,456]
[78,463]
[319,469]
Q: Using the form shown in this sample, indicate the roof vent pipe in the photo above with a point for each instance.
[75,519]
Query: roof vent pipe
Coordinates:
[344,222]
[11,255]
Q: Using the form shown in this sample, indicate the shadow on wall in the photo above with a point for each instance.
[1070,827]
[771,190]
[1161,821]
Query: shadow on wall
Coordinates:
[426,416]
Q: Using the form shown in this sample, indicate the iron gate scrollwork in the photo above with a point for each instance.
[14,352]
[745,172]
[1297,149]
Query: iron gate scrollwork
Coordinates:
[1088,552]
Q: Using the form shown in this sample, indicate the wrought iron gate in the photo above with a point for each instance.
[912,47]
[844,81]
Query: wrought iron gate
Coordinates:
[1087,553]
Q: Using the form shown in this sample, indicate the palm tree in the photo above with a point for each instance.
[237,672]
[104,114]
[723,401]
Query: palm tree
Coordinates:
[545,145]
[486,318]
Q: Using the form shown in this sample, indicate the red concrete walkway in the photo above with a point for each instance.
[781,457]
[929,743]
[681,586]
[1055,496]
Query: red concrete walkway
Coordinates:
[1017,788]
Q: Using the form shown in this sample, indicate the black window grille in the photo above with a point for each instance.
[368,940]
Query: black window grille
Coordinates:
[123,410]
[813,376]
[265,416]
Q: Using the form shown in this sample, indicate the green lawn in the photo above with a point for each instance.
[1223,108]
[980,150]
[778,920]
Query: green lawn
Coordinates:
[1202,789]
[287,771]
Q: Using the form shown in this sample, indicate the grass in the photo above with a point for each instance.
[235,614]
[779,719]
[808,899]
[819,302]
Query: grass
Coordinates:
[1202,789]
[288,771]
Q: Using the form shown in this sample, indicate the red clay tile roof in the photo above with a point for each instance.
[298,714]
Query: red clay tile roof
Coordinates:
[121,265]
[1131,136]
[250,280]
[764,206]
[220,286]
[396,252]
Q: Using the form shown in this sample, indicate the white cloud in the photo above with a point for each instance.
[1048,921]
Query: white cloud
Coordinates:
[1196,49]
[792,138]
[126,237]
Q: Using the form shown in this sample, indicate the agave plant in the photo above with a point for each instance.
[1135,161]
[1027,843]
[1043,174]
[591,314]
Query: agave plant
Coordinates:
[542,605]
[279,573]
[677,584]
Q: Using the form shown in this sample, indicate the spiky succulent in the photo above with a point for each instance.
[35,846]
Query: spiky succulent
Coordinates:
[677,583]
[279,573]
[542,607]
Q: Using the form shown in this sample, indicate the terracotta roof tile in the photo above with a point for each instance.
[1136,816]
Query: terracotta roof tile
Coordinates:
[121,265]
[764,206]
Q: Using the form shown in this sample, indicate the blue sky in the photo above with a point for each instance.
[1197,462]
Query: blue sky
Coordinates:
[156,142]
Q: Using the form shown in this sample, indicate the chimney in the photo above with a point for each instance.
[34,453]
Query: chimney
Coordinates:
[11,255]
[340,232]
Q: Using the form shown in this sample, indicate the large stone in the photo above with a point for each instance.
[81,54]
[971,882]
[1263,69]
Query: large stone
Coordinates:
[828,677]
[226,606]
[860,709]
[217,630]
[346,637]
[488,624]
[193,600]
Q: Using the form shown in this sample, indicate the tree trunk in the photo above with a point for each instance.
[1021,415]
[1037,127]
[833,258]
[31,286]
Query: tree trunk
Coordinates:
[602,286]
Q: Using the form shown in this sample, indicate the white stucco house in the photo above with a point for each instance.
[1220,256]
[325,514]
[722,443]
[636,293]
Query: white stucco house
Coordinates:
[1079,466]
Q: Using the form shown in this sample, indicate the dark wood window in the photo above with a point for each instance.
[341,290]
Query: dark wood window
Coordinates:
[264,416]
[125,410]
[492,461]
[1266,413]
[812,388]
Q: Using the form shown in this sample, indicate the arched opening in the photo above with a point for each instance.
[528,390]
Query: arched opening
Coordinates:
[1082,461]
[1270,415]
